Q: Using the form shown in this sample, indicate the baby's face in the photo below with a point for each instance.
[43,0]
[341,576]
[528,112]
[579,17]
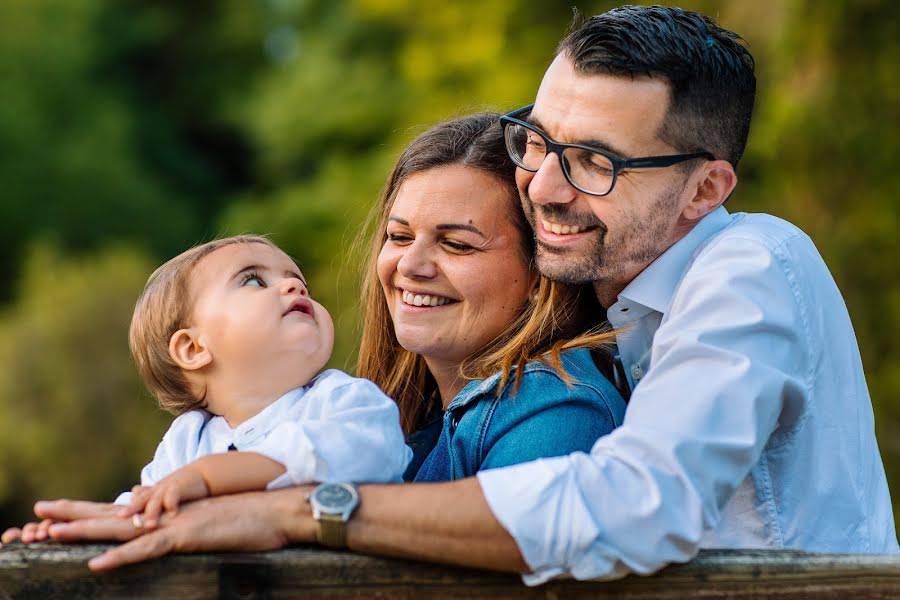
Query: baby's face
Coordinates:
[252,309]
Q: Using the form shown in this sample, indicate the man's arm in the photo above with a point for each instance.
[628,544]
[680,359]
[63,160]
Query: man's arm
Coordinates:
[441,522]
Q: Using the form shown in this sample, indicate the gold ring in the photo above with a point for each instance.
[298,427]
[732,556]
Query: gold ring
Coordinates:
[138,521]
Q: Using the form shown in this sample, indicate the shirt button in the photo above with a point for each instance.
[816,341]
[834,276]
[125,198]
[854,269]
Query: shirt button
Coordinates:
[636,372]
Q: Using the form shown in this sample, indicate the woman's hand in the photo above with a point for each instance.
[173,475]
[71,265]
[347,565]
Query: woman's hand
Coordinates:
[252,522]
[62,510]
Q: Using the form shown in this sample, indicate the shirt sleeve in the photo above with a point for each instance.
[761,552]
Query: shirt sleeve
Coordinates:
[352,435]
[179,446]
[728,366]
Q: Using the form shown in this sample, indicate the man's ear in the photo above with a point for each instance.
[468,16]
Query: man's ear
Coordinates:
[718,180]
[188,350]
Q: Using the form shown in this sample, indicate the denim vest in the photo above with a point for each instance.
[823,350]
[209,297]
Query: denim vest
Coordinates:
[545,417]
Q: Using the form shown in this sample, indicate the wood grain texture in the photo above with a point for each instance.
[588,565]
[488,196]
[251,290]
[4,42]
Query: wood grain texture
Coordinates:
[56,571]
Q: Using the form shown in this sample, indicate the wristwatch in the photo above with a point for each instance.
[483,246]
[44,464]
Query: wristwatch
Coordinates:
[332,504]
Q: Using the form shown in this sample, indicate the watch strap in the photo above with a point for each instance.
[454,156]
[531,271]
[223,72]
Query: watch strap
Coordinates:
[331,531]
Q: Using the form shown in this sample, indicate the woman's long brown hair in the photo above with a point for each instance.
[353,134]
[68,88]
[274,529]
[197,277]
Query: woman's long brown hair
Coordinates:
[559,317]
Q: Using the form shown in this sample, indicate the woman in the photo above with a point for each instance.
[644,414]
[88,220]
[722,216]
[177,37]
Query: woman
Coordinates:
[482,355]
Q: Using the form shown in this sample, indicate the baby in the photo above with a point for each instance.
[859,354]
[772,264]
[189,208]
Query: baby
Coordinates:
[227,337]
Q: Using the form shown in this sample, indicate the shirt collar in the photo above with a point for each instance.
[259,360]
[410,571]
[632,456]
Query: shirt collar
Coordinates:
[655,285]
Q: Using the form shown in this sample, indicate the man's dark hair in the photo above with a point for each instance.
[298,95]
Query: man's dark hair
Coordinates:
[709,71]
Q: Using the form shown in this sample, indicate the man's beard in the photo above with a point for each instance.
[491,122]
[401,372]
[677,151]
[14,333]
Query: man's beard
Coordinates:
[602,258]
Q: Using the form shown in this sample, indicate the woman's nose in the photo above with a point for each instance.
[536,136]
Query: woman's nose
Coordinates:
[416,262]
[549,184]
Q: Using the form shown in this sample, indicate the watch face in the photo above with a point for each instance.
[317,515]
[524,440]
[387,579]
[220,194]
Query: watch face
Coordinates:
[333,496]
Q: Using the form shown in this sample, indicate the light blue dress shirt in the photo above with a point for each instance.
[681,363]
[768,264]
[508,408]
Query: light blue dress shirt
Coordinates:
[749,425]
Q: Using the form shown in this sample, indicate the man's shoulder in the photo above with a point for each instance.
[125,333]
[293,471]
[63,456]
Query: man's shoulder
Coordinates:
[766,230]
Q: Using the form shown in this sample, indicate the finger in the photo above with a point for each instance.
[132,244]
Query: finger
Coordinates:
[171,499]
[152,510]
[110,528]
[138,502]
[69,510]
[10,535]
[151,545]
[40,533]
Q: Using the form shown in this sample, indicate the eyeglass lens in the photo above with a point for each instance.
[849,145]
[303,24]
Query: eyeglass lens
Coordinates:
[590,171]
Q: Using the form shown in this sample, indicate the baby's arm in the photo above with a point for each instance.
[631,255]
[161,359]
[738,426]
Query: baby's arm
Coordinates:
[211,475]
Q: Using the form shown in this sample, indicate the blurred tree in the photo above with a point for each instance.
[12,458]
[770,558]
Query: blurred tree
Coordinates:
[74,422]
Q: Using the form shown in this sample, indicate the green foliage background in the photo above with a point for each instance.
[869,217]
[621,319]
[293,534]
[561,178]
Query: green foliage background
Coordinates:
[131,129]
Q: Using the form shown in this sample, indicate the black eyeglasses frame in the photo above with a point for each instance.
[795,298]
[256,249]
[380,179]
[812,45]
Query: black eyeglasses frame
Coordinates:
[619,164]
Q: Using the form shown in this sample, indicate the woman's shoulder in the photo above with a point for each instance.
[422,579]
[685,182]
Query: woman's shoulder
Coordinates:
[542,386]
[582,373]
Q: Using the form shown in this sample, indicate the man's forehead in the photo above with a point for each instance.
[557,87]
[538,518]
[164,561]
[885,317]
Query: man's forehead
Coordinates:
[619,110]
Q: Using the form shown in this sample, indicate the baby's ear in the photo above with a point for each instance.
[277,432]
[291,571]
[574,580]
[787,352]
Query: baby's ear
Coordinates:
[188,350]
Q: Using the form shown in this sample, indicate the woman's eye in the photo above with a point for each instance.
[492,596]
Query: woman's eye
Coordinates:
[398,238]
[458,246]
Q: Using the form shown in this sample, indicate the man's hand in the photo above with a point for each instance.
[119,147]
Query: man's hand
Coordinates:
[184,485]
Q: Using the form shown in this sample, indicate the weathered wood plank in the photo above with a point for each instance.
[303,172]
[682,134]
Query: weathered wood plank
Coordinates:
[51,571]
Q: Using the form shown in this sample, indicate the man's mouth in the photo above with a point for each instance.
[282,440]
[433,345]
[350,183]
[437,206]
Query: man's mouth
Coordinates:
[560,229]
[300,305]
[421,299]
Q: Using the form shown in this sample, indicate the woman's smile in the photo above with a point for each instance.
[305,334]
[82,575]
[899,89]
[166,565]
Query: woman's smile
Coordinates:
[417,298]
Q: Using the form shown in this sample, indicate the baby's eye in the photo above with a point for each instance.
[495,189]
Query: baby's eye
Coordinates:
[254,279]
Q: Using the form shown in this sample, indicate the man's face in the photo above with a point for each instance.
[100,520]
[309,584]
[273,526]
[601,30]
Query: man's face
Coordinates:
[621,233]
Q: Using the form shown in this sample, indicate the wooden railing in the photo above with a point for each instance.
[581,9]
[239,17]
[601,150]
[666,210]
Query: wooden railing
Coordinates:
[49,571]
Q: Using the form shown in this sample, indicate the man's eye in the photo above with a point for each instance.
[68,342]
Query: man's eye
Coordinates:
[535,142]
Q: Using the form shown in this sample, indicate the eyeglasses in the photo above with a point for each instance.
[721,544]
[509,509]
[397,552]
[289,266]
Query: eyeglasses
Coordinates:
[589,170]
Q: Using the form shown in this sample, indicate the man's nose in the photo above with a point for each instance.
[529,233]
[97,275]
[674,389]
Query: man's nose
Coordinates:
[417,261]
[549,184]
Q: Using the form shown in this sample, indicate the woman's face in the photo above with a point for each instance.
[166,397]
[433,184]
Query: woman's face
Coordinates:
[452,267]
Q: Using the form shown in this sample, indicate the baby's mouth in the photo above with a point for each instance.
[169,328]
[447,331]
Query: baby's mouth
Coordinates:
[414,299]
[301,305]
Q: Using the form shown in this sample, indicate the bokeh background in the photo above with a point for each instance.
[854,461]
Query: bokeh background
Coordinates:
[132,129]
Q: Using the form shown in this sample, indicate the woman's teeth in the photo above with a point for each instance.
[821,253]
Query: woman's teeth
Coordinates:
[561,229]
[423,299]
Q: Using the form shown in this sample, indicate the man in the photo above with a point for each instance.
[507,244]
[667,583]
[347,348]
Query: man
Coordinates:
[749,424]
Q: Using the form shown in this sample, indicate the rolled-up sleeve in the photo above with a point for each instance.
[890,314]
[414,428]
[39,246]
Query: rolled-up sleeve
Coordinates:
[728,365]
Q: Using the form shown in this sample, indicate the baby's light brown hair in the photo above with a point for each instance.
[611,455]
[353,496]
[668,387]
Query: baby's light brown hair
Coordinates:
[163,308]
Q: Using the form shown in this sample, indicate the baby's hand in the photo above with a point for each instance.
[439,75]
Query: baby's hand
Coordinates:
[183,485]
